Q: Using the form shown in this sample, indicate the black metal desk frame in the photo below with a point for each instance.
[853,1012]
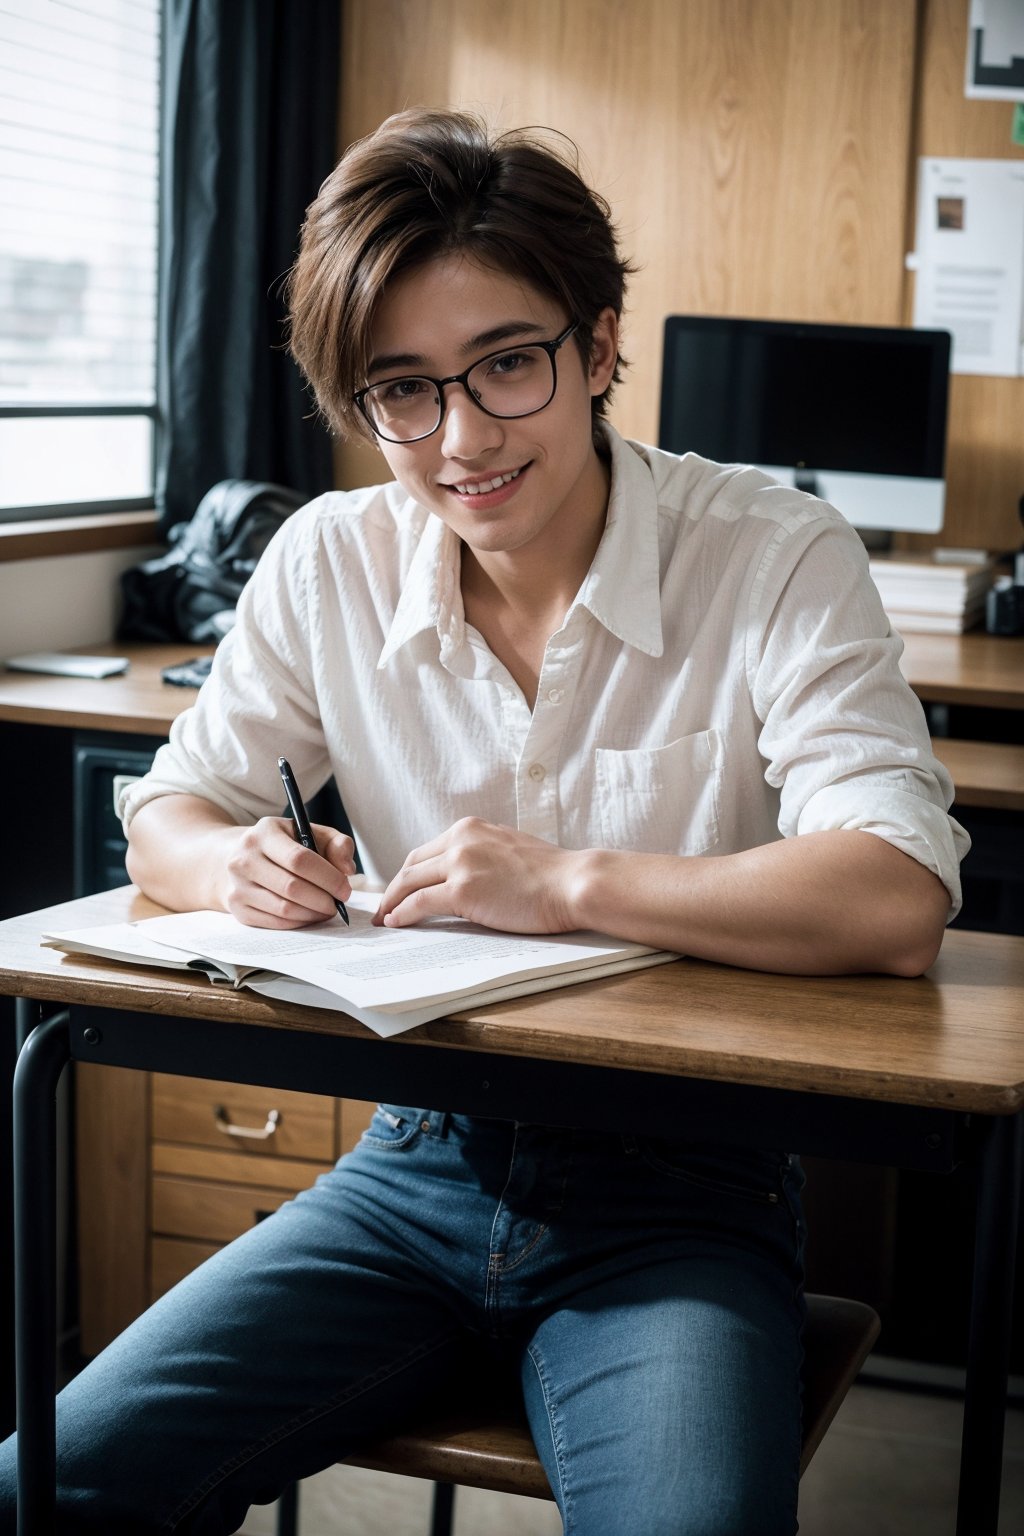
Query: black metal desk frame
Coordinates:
[515,1087]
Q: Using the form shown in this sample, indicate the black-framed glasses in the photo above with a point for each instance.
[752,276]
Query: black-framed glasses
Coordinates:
[515,381]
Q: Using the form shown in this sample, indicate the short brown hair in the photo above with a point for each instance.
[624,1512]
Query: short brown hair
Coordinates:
[426,184]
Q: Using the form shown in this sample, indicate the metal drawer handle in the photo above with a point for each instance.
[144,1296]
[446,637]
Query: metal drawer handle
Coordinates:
[220,1116]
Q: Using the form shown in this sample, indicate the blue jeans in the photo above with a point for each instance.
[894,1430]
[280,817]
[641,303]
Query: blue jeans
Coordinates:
[647,1294]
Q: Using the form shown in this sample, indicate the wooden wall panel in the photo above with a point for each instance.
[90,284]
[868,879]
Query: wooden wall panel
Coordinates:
[758,155]
[753,150]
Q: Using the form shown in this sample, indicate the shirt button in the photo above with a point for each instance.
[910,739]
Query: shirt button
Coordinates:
[555,695]
[537,771]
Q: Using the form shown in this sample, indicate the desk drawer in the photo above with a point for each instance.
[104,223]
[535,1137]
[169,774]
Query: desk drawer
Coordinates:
[213,1213]
[171,1259]
[192,1186]
[289,1175]
[213,1114]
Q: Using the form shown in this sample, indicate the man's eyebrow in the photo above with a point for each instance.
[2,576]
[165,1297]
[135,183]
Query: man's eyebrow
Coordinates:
[511,330]
[482,342]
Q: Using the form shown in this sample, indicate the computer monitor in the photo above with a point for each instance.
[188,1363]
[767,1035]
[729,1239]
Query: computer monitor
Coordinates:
[853,413]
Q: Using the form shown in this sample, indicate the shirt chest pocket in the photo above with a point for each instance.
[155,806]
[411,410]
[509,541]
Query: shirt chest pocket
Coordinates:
[663,800]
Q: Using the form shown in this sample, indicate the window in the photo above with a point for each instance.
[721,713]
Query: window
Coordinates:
[79,208]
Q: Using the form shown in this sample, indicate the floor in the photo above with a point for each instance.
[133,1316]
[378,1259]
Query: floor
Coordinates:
[888,1466]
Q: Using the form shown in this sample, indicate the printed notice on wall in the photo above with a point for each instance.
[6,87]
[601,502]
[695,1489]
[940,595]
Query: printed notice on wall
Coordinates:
[970,261]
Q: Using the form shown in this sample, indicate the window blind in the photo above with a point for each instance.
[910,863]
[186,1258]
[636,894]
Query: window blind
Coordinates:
[79,207]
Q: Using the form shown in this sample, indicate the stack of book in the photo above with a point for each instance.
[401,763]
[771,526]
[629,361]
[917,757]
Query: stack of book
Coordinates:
[932,593]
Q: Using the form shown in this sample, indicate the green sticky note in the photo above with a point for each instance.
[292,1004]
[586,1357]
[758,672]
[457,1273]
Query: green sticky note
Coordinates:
[1017,131]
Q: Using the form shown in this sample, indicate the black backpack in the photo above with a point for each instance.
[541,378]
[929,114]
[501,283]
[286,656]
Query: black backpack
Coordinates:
[191,592]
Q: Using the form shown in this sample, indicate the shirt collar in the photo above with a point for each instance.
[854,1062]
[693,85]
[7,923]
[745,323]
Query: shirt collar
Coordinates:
[622,589]
[431,597]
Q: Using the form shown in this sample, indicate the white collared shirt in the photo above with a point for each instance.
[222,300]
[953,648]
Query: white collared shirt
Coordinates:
[725,676]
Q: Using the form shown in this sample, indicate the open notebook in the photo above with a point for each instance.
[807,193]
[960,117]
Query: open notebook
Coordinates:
[390,979]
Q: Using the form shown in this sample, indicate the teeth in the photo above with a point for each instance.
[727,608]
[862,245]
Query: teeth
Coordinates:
[486,485]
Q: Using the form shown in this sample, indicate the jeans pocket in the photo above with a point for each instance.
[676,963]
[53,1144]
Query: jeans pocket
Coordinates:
[730,1171]
[393,1126]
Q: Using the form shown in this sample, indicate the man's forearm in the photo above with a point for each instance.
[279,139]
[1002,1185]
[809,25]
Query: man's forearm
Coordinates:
[822,904]
[177,850]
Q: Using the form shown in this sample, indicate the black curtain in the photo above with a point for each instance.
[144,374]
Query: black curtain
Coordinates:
[249,133]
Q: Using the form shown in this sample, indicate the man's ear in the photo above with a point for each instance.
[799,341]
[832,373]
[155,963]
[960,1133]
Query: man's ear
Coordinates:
[604,350]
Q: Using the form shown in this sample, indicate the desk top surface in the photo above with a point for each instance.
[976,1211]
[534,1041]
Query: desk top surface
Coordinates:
[137,702]
[953,1038]
[975,668]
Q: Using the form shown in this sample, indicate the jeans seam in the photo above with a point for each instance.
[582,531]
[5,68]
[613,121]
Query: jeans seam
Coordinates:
[498,1259]
[297,1422]
[492,1283]
[565,1500]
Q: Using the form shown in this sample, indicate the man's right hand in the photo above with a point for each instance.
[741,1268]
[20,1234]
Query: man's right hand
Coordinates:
[187,853]
[271,881]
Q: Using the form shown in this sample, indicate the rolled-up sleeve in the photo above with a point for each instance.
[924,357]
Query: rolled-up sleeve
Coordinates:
[844,737]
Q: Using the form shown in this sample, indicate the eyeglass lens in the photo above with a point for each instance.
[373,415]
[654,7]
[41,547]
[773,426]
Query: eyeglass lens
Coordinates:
[513,383]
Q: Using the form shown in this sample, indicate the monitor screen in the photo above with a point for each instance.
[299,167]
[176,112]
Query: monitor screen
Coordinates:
[856,414]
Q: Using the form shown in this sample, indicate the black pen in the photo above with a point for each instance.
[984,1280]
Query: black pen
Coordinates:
[302,827]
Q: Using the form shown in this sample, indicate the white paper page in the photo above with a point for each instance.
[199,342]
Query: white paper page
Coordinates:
[287,989]
[970,260]
[117,941]
[393,968]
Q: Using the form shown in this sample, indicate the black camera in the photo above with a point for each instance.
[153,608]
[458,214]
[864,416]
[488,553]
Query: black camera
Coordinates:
[1004,603]
[1004,608]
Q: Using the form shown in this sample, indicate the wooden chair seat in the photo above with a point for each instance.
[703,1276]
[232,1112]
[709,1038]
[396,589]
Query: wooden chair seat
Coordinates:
[487,1444]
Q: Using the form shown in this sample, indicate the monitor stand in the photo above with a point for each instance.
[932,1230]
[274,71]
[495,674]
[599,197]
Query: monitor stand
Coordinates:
[875,540]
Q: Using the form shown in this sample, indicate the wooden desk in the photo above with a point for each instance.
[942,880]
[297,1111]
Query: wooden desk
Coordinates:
[986,773]
[137,702]
[976,668]
[920,1073]
[953,1039]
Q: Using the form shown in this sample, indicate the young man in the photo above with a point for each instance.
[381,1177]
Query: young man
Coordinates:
[562,681]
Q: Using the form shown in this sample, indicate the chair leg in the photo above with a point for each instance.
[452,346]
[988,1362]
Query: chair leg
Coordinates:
[443,1509]
[440,1520]
[288,1511]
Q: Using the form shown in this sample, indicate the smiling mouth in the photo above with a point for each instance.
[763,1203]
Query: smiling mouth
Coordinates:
[481,487]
